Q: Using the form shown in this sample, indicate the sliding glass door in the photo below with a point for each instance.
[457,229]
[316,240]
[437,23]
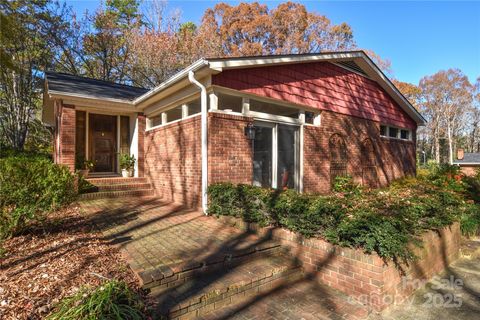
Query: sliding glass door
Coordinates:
[276,156]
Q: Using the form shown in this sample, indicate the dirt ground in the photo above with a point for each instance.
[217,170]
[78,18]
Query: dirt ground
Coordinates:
[54,261]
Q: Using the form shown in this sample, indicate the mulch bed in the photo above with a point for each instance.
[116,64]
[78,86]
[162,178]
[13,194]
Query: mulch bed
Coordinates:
[53,261]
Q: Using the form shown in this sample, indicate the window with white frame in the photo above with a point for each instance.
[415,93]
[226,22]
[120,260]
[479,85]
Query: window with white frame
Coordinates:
[395,133]
[173,114]
[261,109]
[194,107]
[176,113]
[229,103]
[273,109]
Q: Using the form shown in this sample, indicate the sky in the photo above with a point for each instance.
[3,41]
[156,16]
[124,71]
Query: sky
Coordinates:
[418,37]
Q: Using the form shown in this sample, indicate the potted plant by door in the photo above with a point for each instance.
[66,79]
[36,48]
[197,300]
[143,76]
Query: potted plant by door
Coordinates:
[127,163]
[85,167]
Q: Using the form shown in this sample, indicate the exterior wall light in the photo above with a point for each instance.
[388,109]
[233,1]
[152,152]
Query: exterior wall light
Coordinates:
[250,131]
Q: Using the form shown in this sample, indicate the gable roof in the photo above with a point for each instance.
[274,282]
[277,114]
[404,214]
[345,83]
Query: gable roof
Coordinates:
[469,158]
[356,61]
[140,98]
[67,83]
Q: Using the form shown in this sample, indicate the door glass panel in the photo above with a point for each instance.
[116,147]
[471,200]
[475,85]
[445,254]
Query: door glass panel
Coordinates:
[287,157]
[80,138]
[124,135]
[262,157]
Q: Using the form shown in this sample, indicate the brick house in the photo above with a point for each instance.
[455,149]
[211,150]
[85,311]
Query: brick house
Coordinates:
[291,121]
[468,162]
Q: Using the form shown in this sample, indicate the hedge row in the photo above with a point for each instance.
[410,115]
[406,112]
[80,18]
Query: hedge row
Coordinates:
[382,221]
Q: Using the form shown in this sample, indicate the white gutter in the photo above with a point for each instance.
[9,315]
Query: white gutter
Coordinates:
[203,102]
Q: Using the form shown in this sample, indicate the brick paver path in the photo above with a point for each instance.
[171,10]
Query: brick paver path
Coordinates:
[153,234]
[304,300]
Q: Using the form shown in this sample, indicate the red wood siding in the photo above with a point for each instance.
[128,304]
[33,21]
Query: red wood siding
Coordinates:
[320,85]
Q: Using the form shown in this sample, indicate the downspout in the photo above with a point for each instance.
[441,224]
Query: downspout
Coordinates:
[203,102]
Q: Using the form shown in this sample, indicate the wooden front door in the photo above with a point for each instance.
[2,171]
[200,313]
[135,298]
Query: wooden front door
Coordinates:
[103,142]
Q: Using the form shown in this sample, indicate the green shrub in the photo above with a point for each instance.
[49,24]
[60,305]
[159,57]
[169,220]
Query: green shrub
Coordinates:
[291,210]
[112,300]
[243,201]
[29,187]
[472,187]
[470,221]
[385,235]
[345,184]
[384,220]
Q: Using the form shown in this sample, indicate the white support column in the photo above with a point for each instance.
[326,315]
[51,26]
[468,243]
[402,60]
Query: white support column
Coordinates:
[87,140]
[301,116]
[118,145]
[164,118]
[245,106]
[300,169]
[317,120]
[213,101]
[275,156]
[134,140]
[184,111]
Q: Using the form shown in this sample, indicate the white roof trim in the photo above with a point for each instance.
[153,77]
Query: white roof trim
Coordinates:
[60,94]
[177,77]
[230,63]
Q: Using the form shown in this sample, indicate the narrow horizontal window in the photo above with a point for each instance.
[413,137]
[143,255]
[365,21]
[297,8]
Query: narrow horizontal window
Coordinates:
[274,109]
[174,114]
[392,132]
[383,131]
[156,121]
[229,103]
[309,117]
[194,107]
[395,133]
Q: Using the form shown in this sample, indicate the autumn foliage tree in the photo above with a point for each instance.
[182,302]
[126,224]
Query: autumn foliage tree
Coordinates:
[254,29]
[226,30]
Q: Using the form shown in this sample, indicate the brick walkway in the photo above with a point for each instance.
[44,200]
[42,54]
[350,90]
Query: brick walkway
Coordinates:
[157,235]
[304,300]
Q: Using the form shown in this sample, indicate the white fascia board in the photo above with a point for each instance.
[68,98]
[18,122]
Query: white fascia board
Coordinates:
[64,95]
[376,74]
[86,101]
[233,63]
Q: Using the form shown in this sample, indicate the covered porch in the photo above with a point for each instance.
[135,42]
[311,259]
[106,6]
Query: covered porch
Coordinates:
[102,139]
[94,122]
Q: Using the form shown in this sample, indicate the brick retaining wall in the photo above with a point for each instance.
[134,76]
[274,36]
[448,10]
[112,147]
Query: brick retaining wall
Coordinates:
[366,277]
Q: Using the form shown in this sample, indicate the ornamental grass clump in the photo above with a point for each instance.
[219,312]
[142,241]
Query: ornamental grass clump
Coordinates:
[112,300]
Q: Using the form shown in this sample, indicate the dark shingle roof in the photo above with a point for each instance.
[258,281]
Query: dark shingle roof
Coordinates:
[469,158]
[70,84]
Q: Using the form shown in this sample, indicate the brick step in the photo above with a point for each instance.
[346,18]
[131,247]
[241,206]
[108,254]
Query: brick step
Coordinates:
[116,180]
[166,276]
[214,290]
[117,194]
[120,187]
